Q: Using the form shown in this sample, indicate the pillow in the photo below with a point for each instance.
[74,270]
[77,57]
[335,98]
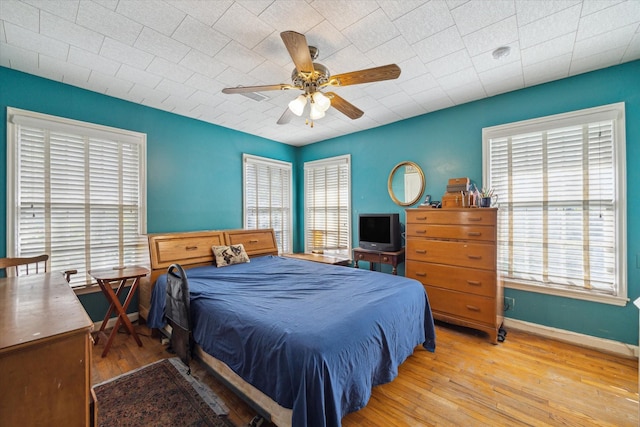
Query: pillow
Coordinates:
[229,255]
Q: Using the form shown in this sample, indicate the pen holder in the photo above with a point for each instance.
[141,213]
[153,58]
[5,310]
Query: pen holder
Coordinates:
[486,202]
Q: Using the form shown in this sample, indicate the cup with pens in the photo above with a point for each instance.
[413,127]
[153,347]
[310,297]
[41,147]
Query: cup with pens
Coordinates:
[487,198]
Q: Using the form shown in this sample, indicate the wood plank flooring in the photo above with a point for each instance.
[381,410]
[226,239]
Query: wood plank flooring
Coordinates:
[525,381]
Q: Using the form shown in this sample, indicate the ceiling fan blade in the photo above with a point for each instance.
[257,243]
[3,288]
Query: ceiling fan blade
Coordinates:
[298,48]
[285,117]
[244,89]
[345,107]
[376,74]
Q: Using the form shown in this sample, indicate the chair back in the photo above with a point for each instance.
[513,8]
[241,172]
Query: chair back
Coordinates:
[26,265]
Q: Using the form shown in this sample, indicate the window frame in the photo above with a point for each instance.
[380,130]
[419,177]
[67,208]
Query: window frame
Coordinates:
[280,164]
[329,161]
[51,123]
[613,112]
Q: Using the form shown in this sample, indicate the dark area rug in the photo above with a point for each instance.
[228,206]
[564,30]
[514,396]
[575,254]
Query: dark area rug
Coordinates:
[159,394]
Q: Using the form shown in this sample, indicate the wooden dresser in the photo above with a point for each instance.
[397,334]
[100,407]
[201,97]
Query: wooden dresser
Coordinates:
[45,353]
[453,253]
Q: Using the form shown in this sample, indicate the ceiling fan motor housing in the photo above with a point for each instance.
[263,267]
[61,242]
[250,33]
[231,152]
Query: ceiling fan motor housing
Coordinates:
[309,82]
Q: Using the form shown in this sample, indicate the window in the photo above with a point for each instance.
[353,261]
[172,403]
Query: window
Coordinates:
[267,197]
[560,182]
[327,198]
[77,192]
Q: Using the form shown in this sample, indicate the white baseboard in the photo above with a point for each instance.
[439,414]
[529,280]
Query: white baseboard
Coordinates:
[608,346]
[111,322]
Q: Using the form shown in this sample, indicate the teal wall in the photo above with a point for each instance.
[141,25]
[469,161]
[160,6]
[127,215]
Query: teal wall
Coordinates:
[448,144]
[195,172]
[194,169]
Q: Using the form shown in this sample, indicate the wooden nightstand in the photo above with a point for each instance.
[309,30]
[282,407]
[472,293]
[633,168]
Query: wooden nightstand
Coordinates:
[324,259]
[373,257]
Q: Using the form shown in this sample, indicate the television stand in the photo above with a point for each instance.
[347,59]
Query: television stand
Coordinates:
[374,257]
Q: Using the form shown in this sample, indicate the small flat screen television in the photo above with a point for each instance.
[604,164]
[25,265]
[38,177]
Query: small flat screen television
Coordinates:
[379,232]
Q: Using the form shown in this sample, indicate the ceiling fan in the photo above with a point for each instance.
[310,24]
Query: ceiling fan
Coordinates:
[311,77]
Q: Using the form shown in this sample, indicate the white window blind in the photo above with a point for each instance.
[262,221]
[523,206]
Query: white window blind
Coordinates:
[327,190]
[560,187]
[77,192]
[267,197]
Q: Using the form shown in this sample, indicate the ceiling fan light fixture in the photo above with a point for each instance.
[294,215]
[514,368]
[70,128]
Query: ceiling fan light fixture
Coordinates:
[297,105]
[315,113]
[321,101]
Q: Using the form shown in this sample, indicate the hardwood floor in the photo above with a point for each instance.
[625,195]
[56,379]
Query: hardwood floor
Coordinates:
[525,381]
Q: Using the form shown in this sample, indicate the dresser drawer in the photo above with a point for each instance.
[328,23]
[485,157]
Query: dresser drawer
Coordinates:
[474,307]
[366,256]
[477,282]
[466,216]
[474,255]
[459,232]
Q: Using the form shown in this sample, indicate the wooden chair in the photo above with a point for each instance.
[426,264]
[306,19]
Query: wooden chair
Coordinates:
[36,264]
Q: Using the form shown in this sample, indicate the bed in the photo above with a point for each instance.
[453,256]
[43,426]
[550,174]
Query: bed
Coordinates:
[304,342]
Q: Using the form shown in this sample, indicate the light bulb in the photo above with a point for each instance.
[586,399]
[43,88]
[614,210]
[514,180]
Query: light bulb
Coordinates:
[322,101]
[316,113]
[297,105]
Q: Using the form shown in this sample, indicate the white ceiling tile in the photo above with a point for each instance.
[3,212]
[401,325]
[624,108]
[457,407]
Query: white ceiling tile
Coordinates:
[504,85]
[117,51]
[268,73]
[239,57]
[633,50]
[202,63]
[450,64]
[326,38]
[529,11]
[378,89]
[29,40]
[255,6]
[550,27]
[98,18]
[202,10]
[243,26]
[412,68]
[66,69]
[506,71]
[425,21]
[616,39]
[395,9]
[102,83]
[439,45]
[155,14]
[272,48]
[18,58]
[146,93]
[92,61]
[3,36]
[592,62]
[552,48]
[487,39]
[467,92]
[462,77]
[593,6]
[549,70]
[180,104]
[136,75]
[433,100]
[231,77]
[157,44]
[68,32]
[196,34]
[204,83]
[418,84]
[395,50]
[206,98]
[346,60]
[608,19]
[343,13]
[169,70]
[295,16]
[177,89]
[371,31]
[109,4]
[477,14]
[67,9]
[19,13]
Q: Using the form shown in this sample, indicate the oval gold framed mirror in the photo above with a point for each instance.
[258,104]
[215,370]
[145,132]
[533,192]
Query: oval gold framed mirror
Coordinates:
[406,183]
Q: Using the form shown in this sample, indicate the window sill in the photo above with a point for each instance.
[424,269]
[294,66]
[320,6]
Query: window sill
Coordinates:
[603,299]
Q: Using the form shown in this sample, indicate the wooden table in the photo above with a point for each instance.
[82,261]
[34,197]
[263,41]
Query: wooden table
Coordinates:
[373,257]
[105,278]
[324,259]
[45,353]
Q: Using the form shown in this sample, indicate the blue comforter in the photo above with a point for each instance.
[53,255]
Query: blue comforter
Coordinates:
[313,337]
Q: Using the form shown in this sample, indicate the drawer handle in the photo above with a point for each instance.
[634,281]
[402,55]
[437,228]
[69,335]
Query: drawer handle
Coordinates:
[421,218]
[360,256]
[475,219]
[474,233]
[472,308]
[421,231]
[473,282]
[474,257]
[421,251]
[384,258]
[253,241]
[421,274]
[191,248]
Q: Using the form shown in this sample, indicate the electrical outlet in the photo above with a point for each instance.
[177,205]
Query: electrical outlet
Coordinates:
[509,303]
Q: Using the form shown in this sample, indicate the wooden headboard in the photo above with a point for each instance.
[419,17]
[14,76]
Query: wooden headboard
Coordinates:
[193,249]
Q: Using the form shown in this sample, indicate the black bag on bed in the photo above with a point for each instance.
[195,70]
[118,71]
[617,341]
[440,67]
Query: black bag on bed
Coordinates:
[177,313]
